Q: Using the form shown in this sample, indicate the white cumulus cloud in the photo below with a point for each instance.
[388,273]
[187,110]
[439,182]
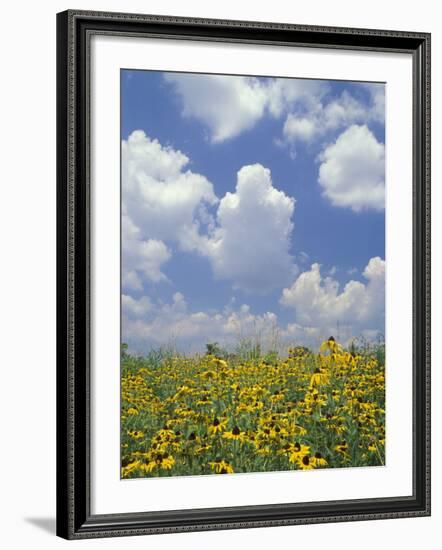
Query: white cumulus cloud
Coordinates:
[161,201]
[160,196]
[352,170]
[141,257]
[227,105]
[251,240]
[319,302]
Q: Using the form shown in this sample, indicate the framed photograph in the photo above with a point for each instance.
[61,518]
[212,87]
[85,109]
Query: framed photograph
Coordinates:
[243,274]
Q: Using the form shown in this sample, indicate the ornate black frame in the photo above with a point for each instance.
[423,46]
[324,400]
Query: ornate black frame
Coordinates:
[74,519]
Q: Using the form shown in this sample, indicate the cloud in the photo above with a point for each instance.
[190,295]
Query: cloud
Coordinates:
[319,302]
[135,308]
[377,100]
[284,94]
[161,201]
[141,257]
[345,110]
[303,257]
[295,333]
[299,128]
[164,205]
[227,105]
[352,170]
[251,240]
[325,116]
[160,196]
[147,325]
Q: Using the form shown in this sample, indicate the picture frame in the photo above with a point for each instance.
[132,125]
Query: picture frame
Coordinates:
[75,218]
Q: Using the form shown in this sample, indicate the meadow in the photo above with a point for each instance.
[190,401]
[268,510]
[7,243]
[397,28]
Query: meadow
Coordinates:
[220,413]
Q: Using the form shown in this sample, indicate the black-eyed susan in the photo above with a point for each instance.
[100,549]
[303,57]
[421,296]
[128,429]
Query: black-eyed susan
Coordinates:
[235,433]
[305,463]
[318,378]
[166,433]
[159,460]
[342,448]
[217,425]
[203,449]
[297,451]
[221,466]
[130,468]
[204,401]
[318,460]
[330,345]
[135,434]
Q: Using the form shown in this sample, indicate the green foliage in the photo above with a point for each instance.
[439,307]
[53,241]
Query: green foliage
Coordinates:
[213,348]
[271,357]
[248,349]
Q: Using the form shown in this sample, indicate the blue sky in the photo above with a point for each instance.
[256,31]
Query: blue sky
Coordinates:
[250,205]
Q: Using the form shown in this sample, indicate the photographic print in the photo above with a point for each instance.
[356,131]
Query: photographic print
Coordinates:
[252,274]
[243,281]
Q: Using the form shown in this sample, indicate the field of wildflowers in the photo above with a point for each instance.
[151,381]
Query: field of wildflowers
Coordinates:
[207,414]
